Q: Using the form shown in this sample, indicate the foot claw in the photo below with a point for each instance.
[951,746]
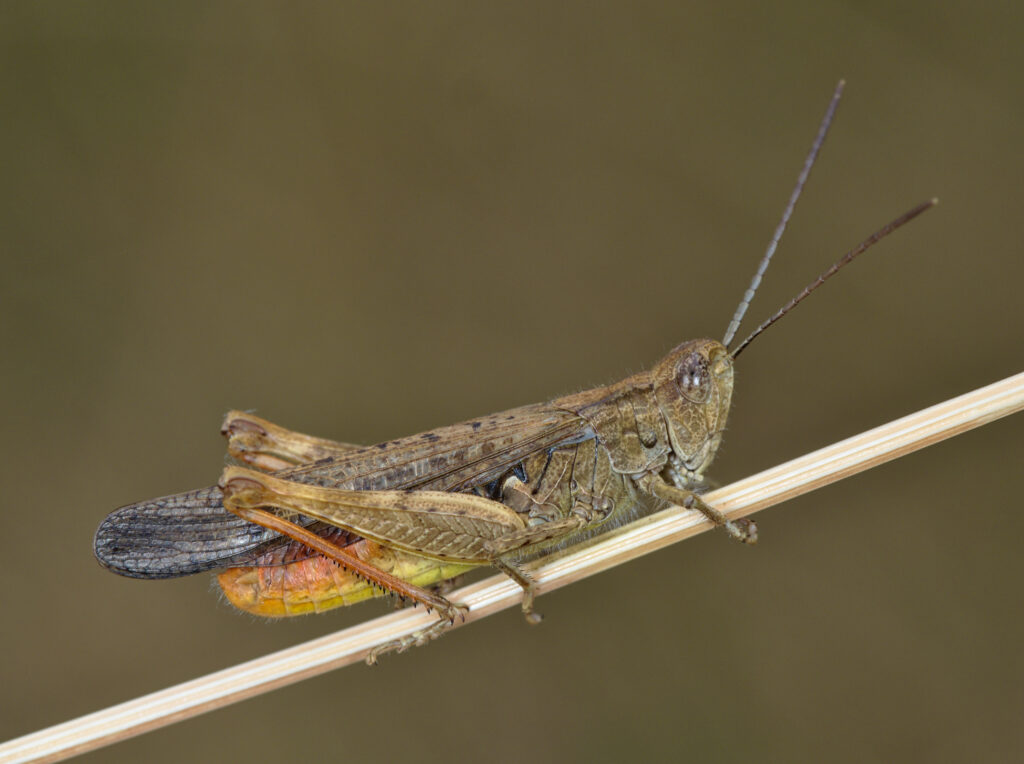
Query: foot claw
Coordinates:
[419,638]
[744,531]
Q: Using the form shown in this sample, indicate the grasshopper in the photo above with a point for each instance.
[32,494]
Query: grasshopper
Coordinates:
[304,524]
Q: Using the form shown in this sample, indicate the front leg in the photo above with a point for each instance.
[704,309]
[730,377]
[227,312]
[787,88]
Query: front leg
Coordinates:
[743,530]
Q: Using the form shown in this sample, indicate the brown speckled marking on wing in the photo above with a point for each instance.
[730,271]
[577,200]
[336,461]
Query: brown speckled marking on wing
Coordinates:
[451,458]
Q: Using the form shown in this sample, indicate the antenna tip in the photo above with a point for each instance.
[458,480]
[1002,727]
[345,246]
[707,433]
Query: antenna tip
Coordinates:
[841,85]
[935,200]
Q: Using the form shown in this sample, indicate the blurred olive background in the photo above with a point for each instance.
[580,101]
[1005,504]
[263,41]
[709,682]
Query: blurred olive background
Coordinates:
[365,220]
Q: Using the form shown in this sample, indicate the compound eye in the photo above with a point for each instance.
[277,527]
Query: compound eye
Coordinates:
[693,378]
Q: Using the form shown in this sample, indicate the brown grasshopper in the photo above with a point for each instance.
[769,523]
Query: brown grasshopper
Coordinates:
[318,524]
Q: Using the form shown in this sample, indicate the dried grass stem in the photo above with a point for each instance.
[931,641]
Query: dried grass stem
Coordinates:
[753,494]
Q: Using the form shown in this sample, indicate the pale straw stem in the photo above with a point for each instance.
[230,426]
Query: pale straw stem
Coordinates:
[351,645]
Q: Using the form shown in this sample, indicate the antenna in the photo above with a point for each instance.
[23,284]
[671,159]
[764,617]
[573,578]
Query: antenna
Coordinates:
[819,139]
[846,259]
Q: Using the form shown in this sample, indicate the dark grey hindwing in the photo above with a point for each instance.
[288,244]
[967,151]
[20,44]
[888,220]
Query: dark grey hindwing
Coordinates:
[174,536]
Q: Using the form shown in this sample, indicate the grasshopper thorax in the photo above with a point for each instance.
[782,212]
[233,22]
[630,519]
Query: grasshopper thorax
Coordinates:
[693,386]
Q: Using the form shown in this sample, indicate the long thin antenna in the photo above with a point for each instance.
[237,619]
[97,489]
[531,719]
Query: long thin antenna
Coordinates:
[881,233]
[819,139]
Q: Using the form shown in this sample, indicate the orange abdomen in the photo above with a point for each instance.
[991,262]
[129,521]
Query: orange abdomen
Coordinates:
[312,585]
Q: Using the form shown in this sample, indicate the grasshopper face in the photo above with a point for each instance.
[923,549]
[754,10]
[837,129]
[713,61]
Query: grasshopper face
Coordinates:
[693,385]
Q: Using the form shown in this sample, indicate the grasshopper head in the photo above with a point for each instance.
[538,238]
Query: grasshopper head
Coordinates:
[693,385]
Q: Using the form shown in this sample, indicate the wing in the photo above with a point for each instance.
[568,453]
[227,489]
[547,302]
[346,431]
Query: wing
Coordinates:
[452,458]
[191,532]
[174,536]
